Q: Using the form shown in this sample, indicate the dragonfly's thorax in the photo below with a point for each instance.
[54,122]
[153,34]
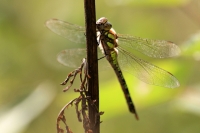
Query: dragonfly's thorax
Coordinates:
[107,36]
[108,41]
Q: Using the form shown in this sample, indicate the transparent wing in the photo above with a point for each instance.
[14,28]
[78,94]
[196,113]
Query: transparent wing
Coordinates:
[70,31]
[149,47]
[73,57]
[145,71]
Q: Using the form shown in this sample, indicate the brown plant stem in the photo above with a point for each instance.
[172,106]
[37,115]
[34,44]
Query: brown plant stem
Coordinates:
[93,85]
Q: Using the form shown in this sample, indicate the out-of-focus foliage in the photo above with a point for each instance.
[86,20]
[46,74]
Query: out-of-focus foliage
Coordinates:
[150,3]
[191,47]
[28,58]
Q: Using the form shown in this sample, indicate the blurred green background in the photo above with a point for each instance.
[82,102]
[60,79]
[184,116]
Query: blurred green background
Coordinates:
[30,94]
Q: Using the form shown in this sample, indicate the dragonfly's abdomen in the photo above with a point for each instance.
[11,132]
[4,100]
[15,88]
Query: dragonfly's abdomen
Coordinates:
[114,63]
[108,41]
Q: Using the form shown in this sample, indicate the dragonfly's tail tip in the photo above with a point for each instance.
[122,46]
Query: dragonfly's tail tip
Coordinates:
[136,116]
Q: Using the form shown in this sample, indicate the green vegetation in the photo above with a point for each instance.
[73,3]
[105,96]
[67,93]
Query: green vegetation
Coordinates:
[30,74]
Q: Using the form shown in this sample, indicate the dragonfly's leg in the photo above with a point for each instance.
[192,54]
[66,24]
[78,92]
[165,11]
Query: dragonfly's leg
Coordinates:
[102,57]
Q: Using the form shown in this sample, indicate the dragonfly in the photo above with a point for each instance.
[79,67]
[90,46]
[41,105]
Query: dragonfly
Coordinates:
[117,49]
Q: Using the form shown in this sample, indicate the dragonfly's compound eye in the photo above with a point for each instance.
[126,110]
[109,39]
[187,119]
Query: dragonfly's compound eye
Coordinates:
[104,27]
[99,27]
[103,24]
[102,20]
[107,26]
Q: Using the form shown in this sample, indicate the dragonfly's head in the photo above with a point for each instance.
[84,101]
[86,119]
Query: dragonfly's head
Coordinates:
[102,24]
